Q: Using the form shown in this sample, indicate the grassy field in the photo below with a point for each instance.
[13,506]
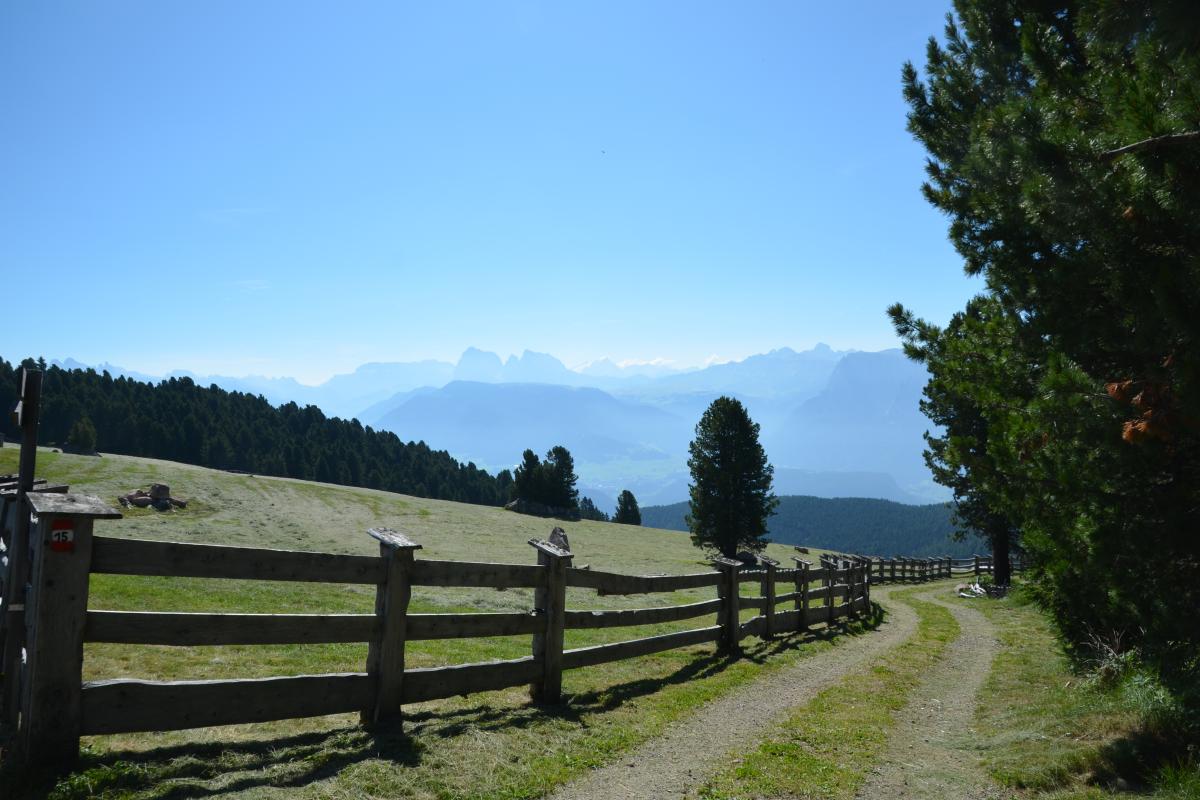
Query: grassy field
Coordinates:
[490,745]
[1048,731]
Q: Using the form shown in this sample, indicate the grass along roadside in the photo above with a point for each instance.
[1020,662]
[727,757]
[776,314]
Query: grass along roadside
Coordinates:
[1054,733]
[826,748]
[489,745]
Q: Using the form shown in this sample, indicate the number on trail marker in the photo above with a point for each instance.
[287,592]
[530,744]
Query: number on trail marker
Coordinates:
[62,536]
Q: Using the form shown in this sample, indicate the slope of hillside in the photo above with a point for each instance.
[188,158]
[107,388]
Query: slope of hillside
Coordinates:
[263,511]
[848,524]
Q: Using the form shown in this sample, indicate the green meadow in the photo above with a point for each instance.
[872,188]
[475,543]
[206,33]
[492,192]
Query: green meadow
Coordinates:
[489,745]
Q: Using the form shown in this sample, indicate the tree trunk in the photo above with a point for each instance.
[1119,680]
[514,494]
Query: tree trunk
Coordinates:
[1001,562]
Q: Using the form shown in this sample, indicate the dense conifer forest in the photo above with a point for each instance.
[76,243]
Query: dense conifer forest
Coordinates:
[181,421]
[849,524]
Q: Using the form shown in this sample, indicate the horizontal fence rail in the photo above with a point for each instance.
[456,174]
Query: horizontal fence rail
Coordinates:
[56,706]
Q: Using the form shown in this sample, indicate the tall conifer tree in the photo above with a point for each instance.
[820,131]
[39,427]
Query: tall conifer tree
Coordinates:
[730,493]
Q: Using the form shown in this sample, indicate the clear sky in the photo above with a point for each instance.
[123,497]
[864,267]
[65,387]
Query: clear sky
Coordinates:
[295,188]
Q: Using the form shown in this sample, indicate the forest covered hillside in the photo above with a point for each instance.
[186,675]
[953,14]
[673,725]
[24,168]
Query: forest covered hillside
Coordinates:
[179,420]
[848,524]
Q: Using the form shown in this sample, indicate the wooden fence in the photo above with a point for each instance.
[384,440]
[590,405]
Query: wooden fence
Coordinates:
[54,706]
[915,570]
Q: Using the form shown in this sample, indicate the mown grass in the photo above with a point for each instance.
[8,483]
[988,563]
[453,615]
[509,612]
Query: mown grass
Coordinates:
[1054,732]
[489,745]
[825,748]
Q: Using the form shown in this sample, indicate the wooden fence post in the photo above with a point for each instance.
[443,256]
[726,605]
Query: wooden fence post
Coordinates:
[730,616]
[828,582]
[893,564]
[802,587]
[12,641]
[853,587]
[976,565]
[550,602]
[52,689]
[385,657]
[768,591]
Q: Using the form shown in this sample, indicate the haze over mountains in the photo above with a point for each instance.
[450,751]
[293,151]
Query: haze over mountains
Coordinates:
[834,423]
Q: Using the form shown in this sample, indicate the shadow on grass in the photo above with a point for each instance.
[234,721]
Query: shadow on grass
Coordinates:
[284,761]
[1136,760]
[194,770]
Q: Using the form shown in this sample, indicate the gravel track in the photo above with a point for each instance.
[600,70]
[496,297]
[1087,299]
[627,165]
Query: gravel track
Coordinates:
[928,752]
[686,754]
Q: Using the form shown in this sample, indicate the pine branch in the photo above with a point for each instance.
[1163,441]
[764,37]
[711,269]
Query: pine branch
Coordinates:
[1153,143]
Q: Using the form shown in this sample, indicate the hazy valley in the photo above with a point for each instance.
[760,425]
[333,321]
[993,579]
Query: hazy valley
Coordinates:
[834,423]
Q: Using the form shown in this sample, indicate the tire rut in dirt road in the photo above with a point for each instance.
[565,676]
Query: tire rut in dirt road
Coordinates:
[686,754]
[926,756]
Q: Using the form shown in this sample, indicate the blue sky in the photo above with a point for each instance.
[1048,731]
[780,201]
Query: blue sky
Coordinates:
[296,188]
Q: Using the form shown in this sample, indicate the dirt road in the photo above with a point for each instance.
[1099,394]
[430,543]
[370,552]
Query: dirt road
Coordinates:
[671,765]
[928,753]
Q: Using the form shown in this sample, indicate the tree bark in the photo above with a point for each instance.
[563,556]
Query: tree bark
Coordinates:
[1001,537]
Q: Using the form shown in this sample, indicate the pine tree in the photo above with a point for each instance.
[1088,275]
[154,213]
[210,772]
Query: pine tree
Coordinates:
[1064,145]
[964,455]
[527,478]
[730,493]
[560,479]
[627,512]
[82,438]
[588,510]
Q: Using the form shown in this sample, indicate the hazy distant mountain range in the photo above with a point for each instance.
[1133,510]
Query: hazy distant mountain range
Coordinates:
[834,423]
